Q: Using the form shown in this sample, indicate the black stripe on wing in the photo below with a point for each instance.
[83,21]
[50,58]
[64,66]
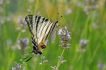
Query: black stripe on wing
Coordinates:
[51,29]
[37,22]
[29,20]
[45,21]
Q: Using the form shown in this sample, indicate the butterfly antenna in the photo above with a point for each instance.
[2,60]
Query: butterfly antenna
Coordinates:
[58,17]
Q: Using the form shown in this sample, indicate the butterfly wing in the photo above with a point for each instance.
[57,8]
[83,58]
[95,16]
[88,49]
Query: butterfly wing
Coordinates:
[40,29]
[29,20]
[53,34]
[34,24]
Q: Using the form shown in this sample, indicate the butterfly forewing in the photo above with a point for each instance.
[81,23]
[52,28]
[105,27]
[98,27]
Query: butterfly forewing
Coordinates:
[29,20]
[47,30]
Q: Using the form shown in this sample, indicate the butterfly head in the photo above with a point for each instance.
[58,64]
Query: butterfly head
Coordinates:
[38,48]
[42,45]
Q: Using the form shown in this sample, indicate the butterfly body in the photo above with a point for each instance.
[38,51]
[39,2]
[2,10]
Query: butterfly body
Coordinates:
[40,28]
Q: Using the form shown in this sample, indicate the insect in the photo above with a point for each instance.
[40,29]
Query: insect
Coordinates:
[40,28]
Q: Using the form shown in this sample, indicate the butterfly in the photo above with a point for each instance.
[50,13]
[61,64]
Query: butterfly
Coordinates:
[40,28]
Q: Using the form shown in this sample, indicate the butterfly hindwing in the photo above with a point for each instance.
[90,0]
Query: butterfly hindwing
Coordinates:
[53,34]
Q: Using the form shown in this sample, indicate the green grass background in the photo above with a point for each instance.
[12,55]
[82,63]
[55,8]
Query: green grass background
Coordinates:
[78,22]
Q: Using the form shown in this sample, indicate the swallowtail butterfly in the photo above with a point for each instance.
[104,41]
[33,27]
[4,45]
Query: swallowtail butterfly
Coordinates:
[40,28]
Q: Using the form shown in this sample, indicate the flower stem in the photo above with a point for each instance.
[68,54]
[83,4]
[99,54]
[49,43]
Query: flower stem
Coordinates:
[42,61]
[58,64]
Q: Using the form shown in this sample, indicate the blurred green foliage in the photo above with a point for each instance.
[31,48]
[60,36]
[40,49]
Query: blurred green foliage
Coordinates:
[85,19]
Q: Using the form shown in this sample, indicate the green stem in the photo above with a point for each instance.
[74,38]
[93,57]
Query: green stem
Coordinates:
[41,61]
[58,64]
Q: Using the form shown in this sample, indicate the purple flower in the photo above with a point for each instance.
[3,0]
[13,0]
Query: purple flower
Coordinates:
[101,64]
[22,43]
[60,32]
[64,33]
[18,67]
[26,41]
[22,24]
[67,33]
[83,43]
[69,11]
[65,37]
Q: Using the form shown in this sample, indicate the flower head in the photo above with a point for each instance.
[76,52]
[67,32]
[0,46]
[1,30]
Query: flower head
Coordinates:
[43,60]
[69,11]
[54,68]
[21,24]
[18,67]
[101,65]
[60,32]
[22,43]
[83,43]
[61,60]
[65,37]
